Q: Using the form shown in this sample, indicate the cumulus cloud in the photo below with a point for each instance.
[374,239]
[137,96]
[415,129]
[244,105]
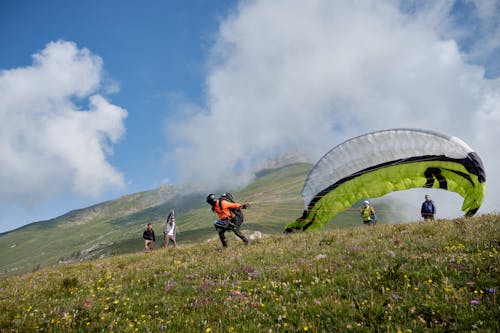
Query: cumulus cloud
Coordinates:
[55,128]
[476,26]
[308,75]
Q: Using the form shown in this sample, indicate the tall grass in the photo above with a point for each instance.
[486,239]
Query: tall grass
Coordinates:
[440,276]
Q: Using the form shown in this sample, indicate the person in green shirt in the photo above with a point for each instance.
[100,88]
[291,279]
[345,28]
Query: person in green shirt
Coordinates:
[368,213]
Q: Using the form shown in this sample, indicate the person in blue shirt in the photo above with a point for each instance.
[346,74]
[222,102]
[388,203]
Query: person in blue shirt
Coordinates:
[428,210]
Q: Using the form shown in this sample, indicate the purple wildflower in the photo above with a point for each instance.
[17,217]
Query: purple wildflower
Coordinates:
[301,261]
[491,290]
[474,302]
[394,296]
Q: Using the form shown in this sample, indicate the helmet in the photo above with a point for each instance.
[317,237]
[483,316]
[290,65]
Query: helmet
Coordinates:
[367,202]
[211,199]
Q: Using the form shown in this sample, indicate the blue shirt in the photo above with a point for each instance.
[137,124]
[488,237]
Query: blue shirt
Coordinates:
[428,207]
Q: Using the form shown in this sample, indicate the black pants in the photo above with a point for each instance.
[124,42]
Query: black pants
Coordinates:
[237,232]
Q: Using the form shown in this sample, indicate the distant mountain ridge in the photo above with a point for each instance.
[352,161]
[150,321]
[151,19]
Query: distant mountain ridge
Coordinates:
[115,226]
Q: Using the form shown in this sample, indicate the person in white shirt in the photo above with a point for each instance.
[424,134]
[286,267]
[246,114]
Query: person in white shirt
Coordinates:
[170,231]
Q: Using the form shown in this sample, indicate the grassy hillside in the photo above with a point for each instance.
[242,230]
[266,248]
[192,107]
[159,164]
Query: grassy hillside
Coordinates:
[441,276]
[116,226]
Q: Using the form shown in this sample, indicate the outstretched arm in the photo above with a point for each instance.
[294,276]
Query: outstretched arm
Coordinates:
[233,205]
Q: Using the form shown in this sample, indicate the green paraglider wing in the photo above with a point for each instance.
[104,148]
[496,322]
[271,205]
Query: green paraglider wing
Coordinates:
[381,162]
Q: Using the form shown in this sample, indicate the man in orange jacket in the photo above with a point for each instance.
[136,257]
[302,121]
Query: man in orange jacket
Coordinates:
[227,218]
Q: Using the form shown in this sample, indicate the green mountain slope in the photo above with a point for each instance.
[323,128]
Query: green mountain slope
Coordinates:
[116,226]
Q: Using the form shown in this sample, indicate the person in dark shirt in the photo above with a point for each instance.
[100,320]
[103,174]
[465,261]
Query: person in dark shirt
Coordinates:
[149,238]
[428,210]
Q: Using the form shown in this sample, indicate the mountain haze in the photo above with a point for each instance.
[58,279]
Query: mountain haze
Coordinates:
[116,226]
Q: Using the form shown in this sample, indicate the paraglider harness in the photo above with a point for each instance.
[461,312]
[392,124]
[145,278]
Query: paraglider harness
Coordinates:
[231,223]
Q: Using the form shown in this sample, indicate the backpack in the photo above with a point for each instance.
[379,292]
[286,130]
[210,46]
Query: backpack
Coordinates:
[238,218]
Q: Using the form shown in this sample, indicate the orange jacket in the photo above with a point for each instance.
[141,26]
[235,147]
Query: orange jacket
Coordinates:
[225,213]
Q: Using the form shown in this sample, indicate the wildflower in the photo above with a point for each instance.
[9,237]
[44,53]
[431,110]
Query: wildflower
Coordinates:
[491,290]
[394,296]
[88,303]
[306,328]
[474,302]
[317,302]
[208,330]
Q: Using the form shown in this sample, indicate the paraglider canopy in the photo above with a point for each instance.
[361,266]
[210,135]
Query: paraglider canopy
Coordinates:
[377,163]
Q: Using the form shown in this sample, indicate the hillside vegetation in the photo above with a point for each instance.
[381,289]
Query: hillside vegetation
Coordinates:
[116,226]
[441,276]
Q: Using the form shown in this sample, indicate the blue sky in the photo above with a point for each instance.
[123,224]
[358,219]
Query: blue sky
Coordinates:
[153,50]
[144,90]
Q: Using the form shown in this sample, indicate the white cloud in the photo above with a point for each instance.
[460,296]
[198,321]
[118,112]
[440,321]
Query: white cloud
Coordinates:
[311,74]
[475,25]
[55,129]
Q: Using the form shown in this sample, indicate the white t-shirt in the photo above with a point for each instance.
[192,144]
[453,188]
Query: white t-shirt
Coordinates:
[171,231]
